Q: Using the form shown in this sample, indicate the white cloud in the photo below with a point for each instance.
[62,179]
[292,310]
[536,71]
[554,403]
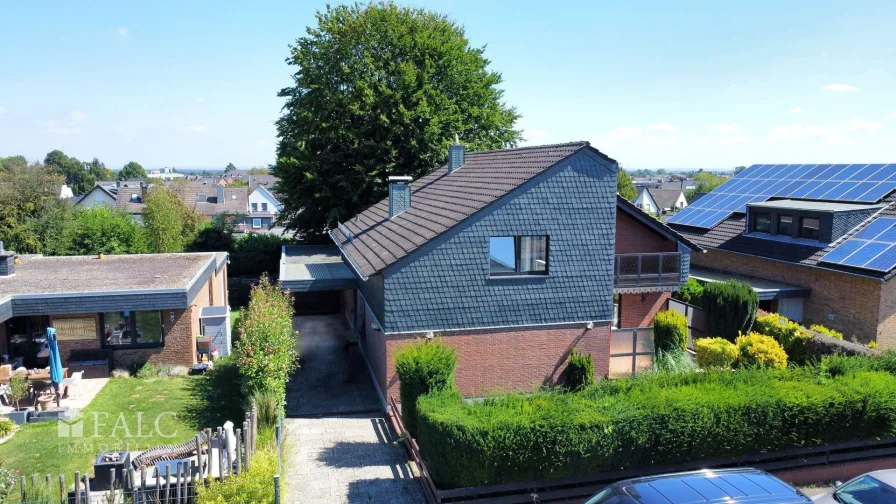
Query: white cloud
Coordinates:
[3,109]
[724,128]
[200,100]
[78,116]
[624,132]
[798,110]
[734,139]
[195,128]
[536,133]
[122,32]
[54,128]
[864,125]
[893,115]
[839,88]
[666,127]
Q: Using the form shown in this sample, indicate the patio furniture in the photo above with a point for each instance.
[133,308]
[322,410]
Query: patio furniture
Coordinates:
[73,384]
[169,452]
[44,375]
[95,363]
[5,373]
[203,347]
[4,388]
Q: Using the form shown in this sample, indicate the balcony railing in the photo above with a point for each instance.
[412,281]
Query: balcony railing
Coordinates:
[647,270]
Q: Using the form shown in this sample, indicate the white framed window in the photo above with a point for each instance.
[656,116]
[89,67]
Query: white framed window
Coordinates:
[256,223]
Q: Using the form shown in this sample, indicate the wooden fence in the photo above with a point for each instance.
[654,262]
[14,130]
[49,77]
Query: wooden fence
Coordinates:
[210,461]
[429,488]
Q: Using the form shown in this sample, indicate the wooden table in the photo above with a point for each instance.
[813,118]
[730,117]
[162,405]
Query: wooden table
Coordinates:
[45,375]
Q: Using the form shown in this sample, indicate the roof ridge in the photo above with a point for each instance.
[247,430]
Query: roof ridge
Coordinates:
[580,143]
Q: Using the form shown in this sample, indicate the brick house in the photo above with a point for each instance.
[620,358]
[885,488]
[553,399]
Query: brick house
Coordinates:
[514,256]
[144,308]
[813,240]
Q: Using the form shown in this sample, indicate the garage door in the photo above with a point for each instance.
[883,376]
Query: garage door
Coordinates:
[317,302]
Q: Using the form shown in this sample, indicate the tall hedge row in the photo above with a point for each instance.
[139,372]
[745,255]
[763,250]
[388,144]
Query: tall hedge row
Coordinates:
[423,366]
[650,421]
[730,308]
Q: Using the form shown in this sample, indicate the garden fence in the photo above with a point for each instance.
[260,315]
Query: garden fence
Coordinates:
[175,484]
[696,319]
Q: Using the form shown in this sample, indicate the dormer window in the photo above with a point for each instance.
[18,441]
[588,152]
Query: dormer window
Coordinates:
[762,222]
[809,228]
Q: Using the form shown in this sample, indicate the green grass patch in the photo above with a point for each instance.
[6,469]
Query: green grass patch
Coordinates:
[127,414]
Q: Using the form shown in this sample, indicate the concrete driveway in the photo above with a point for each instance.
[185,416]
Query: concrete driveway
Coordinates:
[333,378]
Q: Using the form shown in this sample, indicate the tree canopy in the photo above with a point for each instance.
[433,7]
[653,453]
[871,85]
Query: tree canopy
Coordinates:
[229,168]
[28,192]
[170,224]
[624,186]
[379,90]
[131,170]
[102,229]
[73,171]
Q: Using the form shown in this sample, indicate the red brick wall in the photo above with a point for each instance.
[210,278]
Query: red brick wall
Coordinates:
[633,236]
[854,301]
[635,312]
[180,341]
[510,360]
[886,322]
[66,346]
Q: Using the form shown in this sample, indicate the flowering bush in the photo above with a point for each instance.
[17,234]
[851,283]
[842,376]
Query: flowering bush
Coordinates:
[7,484]
[266,351]
[824,330]
[759,350]
[715,352]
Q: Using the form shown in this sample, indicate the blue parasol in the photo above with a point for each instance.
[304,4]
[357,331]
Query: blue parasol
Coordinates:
[54,360]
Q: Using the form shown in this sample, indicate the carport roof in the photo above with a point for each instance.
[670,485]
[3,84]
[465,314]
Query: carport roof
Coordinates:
[314,268]
[766,289]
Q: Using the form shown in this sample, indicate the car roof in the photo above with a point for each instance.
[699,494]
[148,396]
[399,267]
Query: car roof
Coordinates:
[730,486]
[887,476]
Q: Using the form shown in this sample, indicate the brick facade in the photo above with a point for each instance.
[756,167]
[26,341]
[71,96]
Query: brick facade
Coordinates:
[857,305]
[634,237]
[180,342]
[638,310]
[503,360]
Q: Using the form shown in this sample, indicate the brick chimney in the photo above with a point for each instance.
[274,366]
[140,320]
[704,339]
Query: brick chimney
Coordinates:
[7,262]
[456,154]
[399,195]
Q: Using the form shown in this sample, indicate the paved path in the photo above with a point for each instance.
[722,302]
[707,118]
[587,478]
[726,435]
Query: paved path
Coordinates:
[332,377]
[352,459]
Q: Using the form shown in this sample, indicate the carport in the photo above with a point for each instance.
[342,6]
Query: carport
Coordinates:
[777,297]
[320,281]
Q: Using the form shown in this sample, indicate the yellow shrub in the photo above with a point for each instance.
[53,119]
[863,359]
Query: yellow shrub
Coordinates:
[715,352]
[824,330]
[759,350]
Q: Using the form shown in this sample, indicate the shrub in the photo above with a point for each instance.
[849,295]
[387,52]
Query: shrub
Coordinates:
[423,366]
[730,308]
[757,350]
[579,372]
[6,428]
[670,331]
[715,352]
[691,293]
[265,352]
[256,254]
[652,420]
[120,374]
[824,330]
[147,370]
[252,486]
[268,403]
[792,336]
[673,361]
[872,345]
[18,389]
[8,482]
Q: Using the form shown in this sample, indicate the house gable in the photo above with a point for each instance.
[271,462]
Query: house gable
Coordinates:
[446,285]
[261,195]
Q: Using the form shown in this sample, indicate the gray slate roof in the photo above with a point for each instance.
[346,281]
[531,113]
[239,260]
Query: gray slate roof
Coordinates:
[440,201]
[665,198]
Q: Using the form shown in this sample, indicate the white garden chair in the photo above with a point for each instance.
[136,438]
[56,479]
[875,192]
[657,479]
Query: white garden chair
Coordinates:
[73,383]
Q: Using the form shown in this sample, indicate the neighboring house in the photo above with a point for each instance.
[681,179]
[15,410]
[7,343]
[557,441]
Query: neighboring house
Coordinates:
[682,185]
[660,201]
[817,242]
[99,195]
[130,200]
[263,209]
[209,200]
[144,308]
[514,257]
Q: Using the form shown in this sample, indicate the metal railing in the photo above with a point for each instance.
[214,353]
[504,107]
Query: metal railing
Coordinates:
[647,270]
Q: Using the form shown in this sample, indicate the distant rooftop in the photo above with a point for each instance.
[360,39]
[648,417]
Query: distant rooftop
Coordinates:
[820,206]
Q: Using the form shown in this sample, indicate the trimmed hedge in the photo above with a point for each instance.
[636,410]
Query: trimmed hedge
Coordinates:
[670,331]
[423,366]
[649,421]
[791,335]
[759,350]
[579,372]
[730,308]
[715,352]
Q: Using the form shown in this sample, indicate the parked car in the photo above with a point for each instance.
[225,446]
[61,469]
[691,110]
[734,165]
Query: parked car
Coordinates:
[729,486]
[876,487]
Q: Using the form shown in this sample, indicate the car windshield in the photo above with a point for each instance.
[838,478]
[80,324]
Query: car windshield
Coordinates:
[605,496]
[866,490]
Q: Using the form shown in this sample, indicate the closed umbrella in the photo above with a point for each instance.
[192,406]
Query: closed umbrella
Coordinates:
[55,362]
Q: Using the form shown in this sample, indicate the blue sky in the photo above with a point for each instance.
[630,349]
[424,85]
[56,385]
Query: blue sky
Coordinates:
[652,84]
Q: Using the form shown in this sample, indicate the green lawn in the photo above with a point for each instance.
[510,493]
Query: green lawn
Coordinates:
[128,414]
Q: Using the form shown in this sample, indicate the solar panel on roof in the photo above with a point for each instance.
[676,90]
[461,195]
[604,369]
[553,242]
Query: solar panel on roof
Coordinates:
[873,248]
[861,183]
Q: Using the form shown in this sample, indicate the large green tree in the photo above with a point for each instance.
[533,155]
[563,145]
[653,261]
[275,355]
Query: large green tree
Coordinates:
[170,223]
[28,193]
[624,185]
[97,169]
[131,170]
[75,173]
[100,228]
[379,90]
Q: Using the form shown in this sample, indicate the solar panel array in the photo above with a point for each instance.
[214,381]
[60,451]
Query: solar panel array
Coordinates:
[862,183]
[874,247]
